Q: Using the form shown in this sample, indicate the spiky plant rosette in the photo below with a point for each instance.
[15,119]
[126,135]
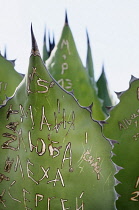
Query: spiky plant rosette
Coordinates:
[53,154]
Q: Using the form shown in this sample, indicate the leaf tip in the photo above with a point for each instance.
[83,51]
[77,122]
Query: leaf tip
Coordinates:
[87,35]
[35,50]
[44,38]
[103,69]
[5,53]
[66,18]
[53,40]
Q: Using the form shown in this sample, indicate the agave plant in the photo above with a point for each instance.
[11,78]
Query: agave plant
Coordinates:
[50,157]
[53,154]
[66,67]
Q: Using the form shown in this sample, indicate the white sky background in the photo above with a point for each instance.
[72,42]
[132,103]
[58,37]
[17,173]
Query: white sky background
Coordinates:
[113,27]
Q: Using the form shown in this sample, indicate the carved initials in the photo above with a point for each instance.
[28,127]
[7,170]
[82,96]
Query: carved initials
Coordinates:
[10,111]
[12,139]
[30,172]
[58,178]
[32,147]
[63,205]
[82,205]
[1,198]
[53,150]
[12,126]
[67,149]
[41,85]
[8,165]
[64,67]
[45,173]
[25,199]
[134,198]
[18,164]
[11,185]
[65,43]
[44,120]
[39,198]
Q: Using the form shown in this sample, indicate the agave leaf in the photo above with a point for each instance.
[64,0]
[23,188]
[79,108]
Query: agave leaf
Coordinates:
[5,53]
[104,92]
[89,63]
[50,157]
[122,125]
[66,67]
[45,51]
[51,44]
[90,70]
[9,79]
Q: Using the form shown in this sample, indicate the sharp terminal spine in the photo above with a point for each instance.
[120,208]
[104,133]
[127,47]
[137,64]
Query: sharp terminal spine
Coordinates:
[35,50]
[66,18]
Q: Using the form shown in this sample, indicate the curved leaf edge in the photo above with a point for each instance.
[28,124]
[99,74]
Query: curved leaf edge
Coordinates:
[113,142]
[35,52]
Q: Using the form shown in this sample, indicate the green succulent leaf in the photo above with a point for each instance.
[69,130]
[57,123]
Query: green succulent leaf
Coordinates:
[66,67]
[89,63]
[5,56]
[104,92]
[53,155]
[123,126]
[51,44]
[9,79]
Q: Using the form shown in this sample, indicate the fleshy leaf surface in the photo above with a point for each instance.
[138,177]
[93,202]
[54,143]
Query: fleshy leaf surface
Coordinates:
[9,79]
[123,126]
[50,157]
[66,67]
